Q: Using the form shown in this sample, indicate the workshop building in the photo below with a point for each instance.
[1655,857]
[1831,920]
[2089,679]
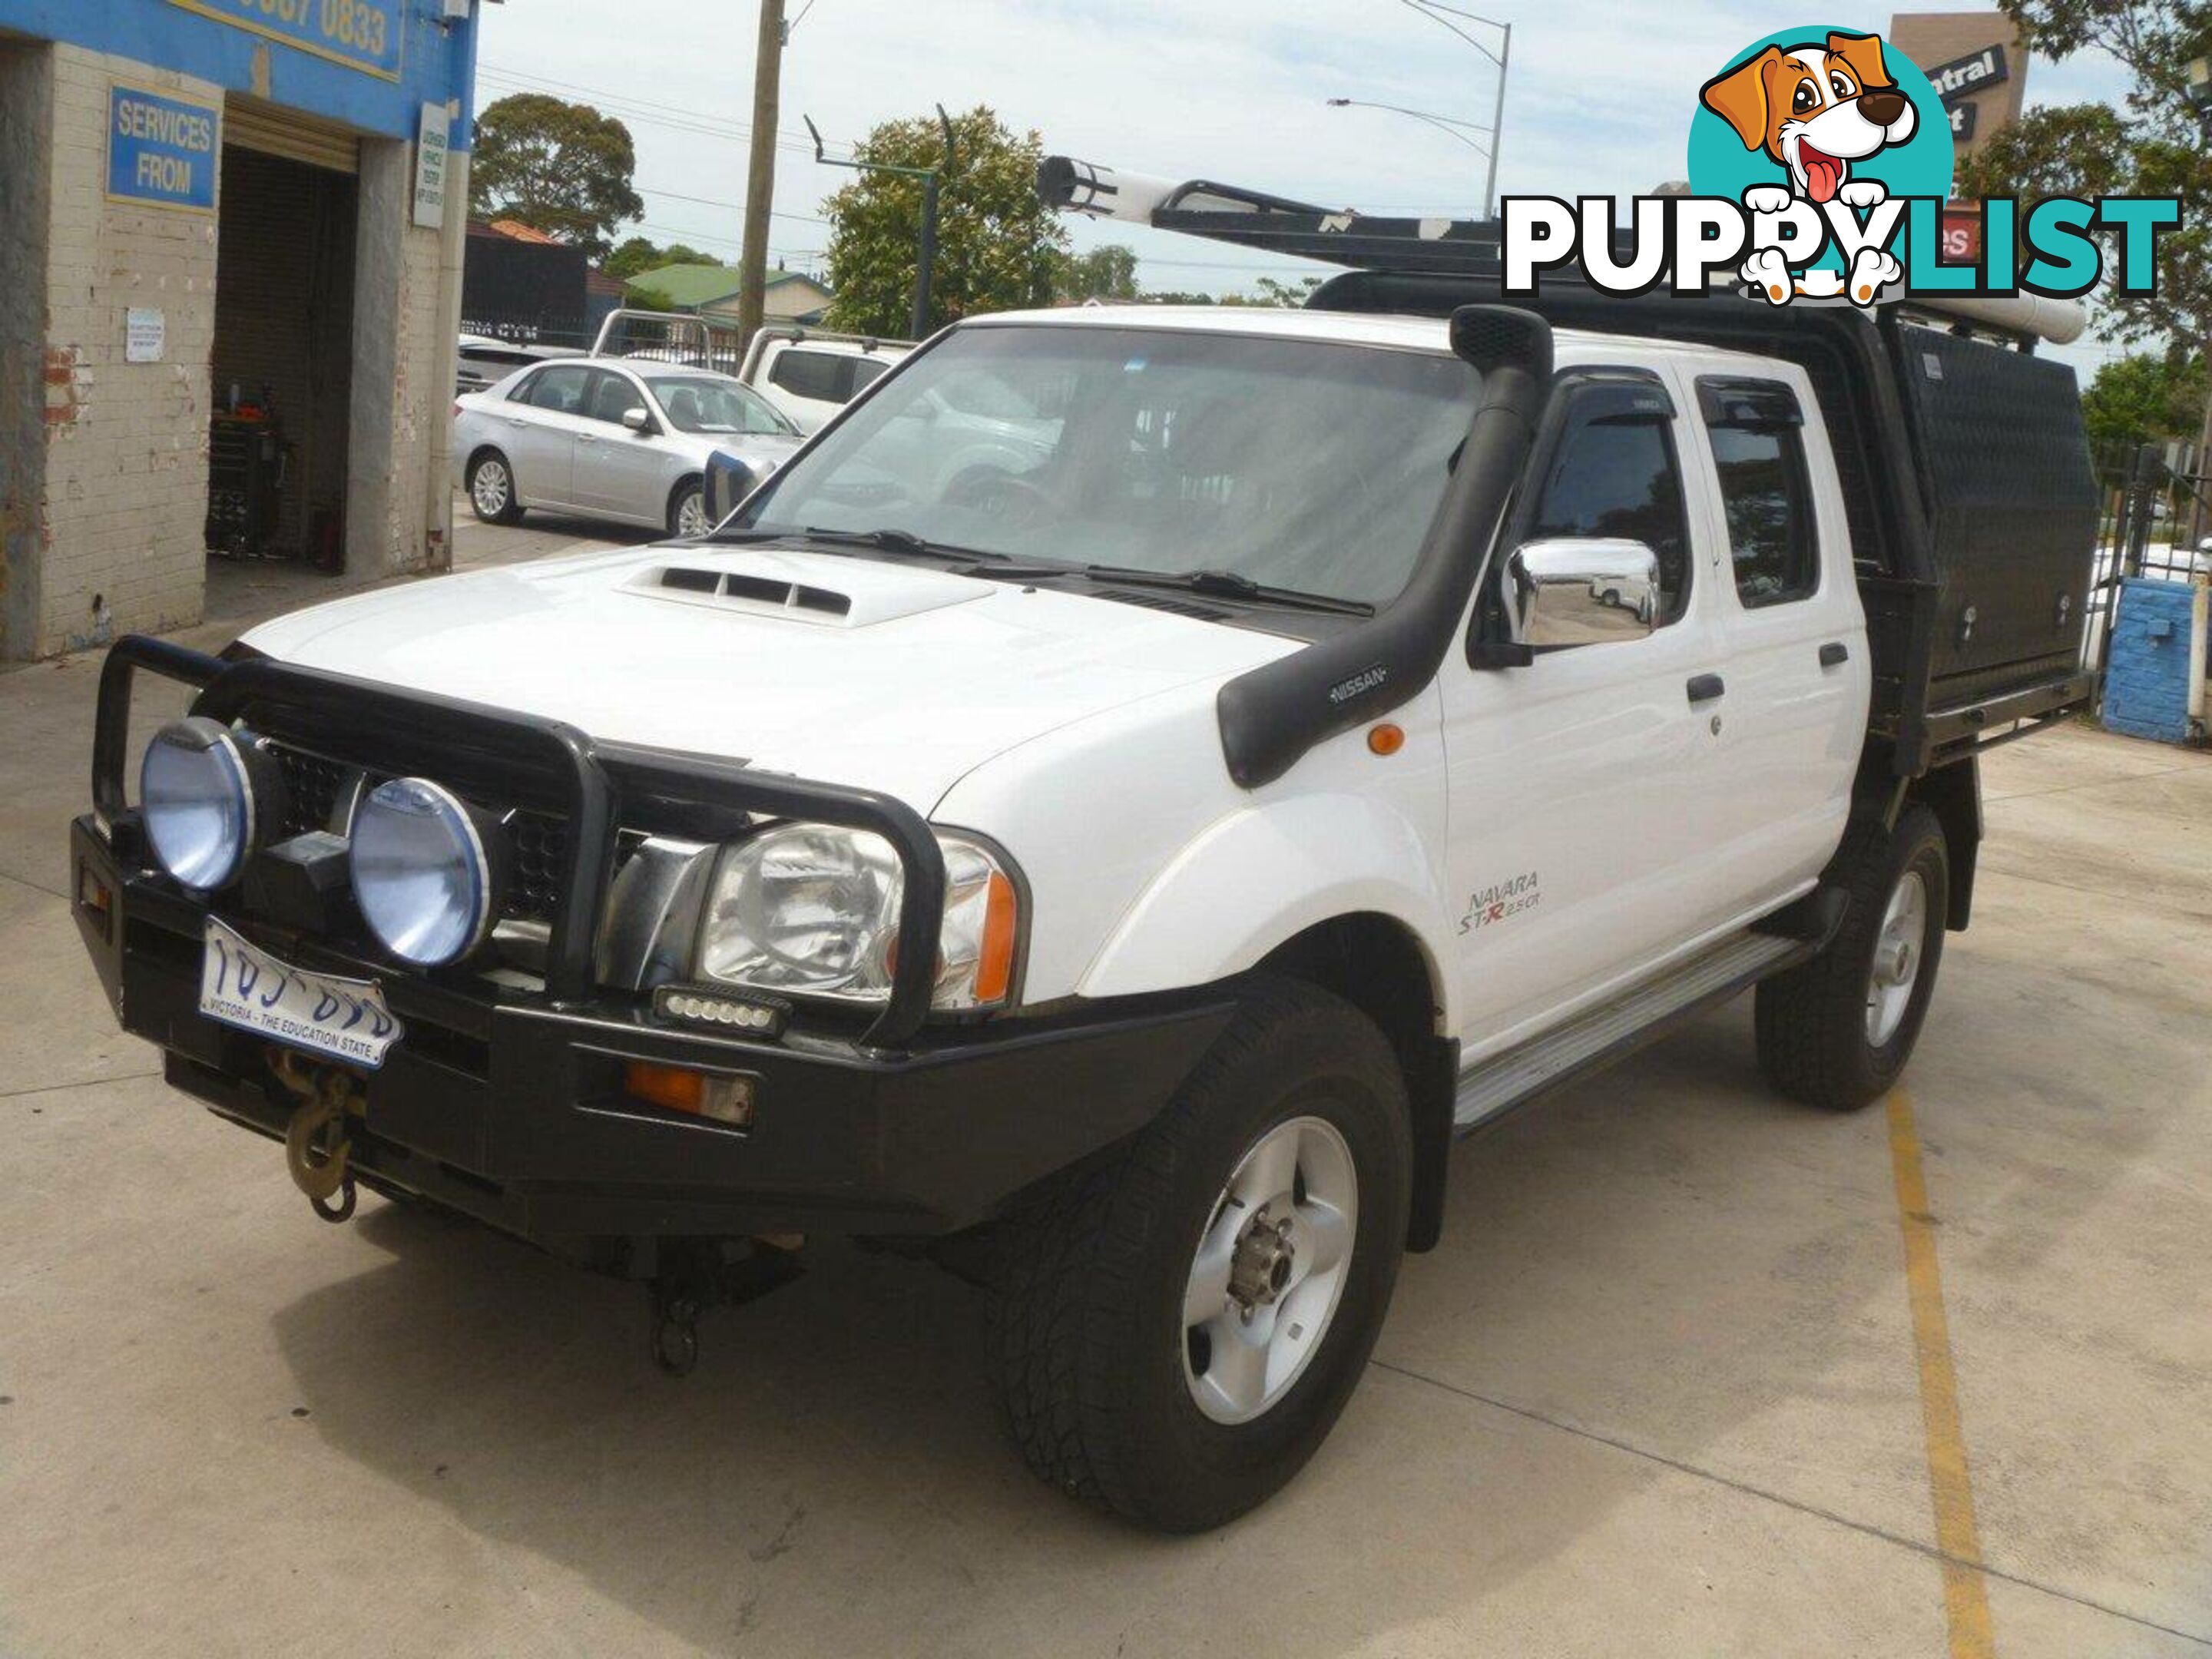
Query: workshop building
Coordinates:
[229,294]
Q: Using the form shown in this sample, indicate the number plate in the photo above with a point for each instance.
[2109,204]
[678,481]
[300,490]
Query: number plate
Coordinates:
[242,985]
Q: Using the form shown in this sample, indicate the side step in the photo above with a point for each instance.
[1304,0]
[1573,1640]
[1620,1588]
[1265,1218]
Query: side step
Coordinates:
[1617,1030]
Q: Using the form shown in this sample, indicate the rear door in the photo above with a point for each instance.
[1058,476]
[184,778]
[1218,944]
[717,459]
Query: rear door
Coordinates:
[1583,822]
[1793,719]
[537,427]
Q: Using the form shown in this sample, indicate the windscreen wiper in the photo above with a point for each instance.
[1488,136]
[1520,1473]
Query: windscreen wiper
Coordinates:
[883,541]
[1229,585]
[984,561]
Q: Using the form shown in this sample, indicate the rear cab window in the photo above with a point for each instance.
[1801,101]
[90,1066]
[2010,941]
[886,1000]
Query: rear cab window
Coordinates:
[1756,431]
[821,376]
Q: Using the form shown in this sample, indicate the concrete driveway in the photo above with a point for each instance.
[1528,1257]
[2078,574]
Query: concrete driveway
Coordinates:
[1696,1371]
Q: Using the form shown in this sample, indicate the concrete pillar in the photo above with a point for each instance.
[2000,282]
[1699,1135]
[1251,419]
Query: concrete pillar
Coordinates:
[27,120]
[403,352]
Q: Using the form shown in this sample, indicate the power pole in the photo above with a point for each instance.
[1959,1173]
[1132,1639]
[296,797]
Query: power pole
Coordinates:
[759,177]
[926,261]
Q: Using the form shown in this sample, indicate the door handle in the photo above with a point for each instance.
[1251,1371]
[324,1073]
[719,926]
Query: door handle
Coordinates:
[1703,688]
[586,438]
[1834,654]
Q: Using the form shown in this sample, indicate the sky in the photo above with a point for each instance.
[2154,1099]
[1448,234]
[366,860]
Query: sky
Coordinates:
[1598,99]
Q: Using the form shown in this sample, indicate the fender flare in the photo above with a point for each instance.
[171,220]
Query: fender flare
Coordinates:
[1265,874]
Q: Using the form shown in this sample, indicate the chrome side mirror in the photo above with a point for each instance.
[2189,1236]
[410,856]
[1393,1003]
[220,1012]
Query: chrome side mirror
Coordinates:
[1581,591]
[638,420]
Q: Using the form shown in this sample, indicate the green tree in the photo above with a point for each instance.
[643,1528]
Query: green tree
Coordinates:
[1107,273]
[2143,398]
[997,243]
[642,253]
[2154,147]
[1273,291]
[559,167]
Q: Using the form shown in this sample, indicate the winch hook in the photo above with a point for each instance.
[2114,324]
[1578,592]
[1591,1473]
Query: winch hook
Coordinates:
[316,1141]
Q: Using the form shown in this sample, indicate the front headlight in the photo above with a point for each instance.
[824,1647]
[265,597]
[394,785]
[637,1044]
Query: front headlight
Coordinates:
[206,798]
[811,910]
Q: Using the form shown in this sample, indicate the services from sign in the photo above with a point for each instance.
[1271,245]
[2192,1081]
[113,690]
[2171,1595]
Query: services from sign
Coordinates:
[362,34]
[162,150]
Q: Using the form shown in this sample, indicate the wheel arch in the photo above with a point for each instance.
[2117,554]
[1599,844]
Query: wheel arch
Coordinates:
[478,452]
[1331,888]
[1380,966]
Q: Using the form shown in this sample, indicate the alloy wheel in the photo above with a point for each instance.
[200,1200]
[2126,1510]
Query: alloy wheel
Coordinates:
[1270,1269]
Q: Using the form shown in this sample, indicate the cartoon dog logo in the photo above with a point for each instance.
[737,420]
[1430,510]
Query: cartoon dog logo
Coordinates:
[1814,109]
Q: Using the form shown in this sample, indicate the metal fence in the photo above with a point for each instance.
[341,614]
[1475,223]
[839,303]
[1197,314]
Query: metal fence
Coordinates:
[2156,522]
[670,337]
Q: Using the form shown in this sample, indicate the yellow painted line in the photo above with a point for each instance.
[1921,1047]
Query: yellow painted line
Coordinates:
[1966,1598]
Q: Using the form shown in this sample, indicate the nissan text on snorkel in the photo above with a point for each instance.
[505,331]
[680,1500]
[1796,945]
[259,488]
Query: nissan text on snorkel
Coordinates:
[1125,798]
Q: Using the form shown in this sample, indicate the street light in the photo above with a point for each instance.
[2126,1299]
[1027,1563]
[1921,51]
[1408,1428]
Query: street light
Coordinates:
[929,177]
[1450,125]
[1436,12]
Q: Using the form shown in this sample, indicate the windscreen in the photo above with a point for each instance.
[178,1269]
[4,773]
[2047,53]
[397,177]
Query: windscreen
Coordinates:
[1298,465]
[716,406]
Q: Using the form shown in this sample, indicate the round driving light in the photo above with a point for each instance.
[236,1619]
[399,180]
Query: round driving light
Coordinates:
[425,881]
[196,793]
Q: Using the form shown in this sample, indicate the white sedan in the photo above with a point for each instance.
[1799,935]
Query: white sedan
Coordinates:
[605,440]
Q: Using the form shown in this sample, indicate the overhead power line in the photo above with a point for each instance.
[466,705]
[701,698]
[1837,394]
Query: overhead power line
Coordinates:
[707,201]
[706,123]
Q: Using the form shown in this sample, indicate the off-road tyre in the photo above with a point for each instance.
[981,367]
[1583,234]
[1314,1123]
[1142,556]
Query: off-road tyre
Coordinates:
[1811,1022]
[1086,1337]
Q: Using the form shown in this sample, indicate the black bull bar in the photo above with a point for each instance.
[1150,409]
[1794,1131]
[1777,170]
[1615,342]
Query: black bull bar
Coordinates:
[528,760]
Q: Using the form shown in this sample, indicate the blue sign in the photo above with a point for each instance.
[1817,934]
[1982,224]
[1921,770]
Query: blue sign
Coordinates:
[161,149]
[362,34]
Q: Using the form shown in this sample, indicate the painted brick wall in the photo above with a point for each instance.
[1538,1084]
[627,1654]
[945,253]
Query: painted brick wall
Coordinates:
[2147,675]
[127,443]
[102,513]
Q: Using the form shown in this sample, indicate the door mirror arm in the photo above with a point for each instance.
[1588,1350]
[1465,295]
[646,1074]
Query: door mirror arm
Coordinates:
[1499,653]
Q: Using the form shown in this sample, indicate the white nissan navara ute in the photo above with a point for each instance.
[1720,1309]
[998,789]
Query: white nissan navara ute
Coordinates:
[1122,866]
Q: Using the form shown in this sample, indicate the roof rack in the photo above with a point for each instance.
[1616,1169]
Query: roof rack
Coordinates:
[1463,249]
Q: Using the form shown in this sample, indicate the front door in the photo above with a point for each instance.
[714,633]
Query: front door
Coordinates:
[1582,825]
[618,470]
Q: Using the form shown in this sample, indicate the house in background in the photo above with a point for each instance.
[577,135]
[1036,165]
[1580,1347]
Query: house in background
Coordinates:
[711,291]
